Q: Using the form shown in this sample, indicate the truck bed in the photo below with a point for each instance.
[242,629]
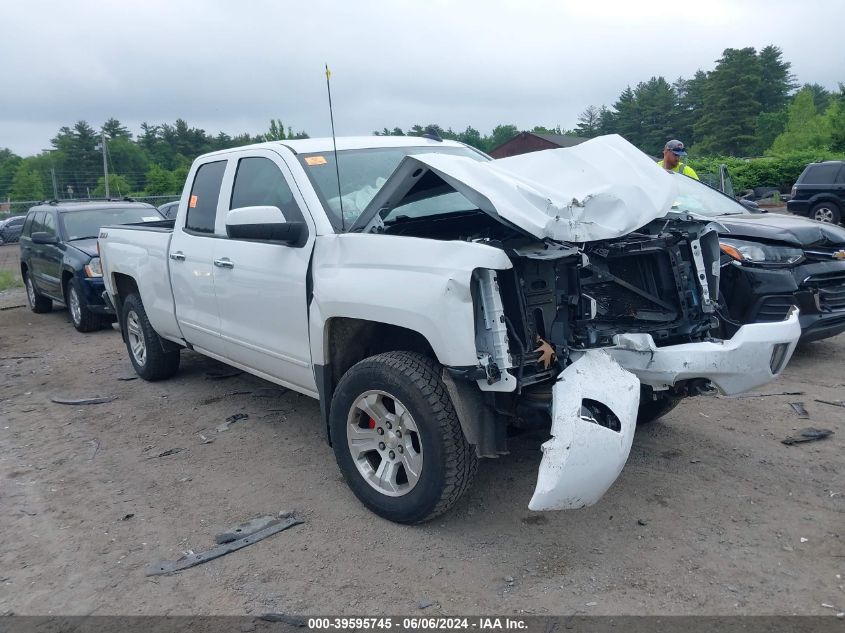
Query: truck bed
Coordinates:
[140,252]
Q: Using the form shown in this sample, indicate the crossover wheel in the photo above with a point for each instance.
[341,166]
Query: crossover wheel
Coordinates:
[37,302]
[826,212]
[146,351]
[82,318]
[397,438]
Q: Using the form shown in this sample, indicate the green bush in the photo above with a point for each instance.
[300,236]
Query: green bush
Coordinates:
[747,173]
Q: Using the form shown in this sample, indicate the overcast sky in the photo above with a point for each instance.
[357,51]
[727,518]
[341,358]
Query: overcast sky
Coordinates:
[231,66]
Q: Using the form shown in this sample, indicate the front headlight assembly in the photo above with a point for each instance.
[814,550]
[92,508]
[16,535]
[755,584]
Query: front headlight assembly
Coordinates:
[93,268]
[760,253]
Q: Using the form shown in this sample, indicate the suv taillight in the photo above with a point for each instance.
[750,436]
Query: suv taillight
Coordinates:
[794,191]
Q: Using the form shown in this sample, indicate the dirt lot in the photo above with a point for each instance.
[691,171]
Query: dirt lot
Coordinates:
[712,514]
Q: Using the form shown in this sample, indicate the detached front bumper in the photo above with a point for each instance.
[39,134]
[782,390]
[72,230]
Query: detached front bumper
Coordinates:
[594,415]
[596,398]
[755,355]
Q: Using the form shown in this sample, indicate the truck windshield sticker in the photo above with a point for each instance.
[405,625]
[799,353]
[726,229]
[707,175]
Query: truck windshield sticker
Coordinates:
[150,218]
[315,160]
[193,203]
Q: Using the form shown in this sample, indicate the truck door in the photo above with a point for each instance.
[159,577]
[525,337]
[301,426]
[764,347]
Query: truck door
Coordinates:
[190,260]
[261,286]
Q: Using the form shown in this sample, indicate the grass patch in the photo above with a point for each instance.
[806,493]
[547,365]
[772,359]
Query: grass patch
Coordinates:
[8,279]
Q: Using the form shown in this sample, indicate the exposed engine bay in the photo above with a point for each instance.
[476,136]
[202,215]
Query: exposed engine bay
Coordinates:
[661,280]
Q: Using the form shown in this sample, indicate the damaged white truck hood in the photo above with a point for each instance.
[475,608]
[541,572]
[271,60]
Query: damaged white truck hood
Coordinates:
[603,188]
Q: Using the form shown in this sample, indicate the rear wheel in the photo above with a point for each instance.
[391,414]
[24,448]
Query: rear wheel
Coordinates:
[82,318]
[397,439]
[37,302]
[145,346]
[826,212]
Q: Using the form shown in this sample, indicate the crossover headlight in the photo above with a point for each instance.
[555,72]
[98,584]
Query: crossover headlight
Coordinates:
[94,268]
[759,253]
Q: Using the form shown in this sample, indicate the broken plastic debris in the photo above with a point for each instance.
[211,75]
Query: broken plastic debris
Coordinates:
[807,435]
[80,401]
[799,409]
[586,453]
[191,559]
[231,420]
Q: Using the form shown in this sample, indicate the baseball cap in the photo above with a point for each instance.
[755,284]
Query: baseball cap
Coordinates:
[676,147]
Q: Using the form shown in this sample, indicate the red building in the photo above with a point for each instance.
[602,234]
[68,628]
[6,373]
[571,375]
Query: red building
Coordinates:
[525,142]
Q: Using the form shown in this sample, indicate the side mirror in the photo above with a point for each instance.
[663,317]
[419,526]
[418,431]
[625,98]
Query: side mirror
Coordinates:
[42,237]
[263,223]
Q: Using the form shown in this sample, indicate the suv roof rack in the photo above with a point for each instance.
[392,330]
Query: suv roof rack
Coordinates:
[54,201]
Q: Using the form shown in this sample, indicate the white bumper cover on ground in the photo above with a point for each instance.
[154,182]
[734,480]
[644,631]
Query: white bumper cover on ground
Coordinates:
[583,459]
[755,355]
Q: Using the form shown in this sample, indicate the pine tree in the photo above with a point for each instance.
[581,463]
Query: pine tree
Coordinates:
[655,102]
[729,114]
[627,117]
[775,79]
[589,122]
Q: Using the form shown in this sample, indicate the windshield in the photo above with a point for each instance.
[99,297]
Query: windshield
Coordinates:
[696,197]
[86,224]
[362,173]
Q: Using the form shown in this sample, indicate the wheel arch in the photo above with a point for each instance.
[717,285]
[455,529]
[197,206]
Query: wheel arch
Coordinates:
[347,341]
[825,197]
[124,285]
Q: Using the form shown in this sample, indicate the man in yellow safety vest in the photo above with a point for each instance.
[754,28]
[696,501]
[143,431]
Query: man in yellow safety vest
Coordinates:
[673,152]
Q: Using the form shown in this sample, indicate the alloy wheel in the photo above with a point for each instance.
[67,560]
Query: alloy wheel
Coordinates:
[135,334]
[384,443]
[30,291]
[74,306]
[823,214]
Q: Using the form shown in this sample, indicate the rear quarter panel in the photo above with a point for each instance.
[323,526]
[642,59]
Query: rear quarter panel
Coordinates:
[141,253]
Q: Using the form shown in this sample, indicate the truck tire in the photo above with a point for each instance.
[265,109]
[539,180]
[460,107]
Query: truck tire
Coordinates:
[826,212]
[37,303]
[397,438]
[144,345]
[80,316]
[653,409]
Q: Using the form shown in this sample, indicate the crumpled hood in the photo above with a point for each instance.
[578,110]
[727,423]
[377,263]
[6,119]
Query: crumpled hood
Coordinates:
[603,188]
[789,229]
[88,246]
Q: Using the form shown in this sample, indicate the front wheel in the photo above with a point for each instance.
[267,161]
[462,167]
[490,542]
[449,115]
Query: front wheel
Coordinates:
[82,318]
[397,439]
[145,347]
[827,212]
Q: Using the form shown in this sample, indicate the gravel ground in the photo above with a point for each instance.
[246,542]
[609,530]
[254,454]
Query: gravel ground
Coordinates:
[712,514]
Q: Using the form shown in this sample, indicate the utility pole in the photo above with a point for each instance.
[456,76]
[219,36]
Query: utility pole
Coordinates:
[53,174]
[105,165]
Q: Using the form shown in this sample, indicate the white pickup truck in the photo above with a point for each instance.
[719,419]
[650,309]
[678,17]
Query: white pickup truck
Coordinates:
[430,298]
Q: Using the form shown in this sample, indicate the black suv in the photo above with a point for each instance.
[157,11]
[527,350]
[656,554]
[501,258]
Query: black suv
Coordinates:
[59,258]
[819,192]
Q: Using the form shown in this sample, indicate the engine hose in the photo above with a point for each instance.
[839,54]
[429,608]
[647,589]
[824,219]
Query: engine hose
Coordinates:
[521,346]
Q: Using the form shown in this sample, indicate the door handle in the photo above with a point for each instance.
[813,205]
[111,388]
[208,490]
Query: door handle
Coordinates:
[224,262]
[178,256]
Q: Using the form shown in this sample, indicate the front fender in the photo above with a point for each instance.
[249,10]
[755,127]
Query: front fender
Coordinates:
[419,284]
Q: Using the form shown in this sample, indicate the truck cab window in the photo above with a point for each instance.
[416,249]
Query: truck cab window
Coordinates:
[259,182]
[205,192]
